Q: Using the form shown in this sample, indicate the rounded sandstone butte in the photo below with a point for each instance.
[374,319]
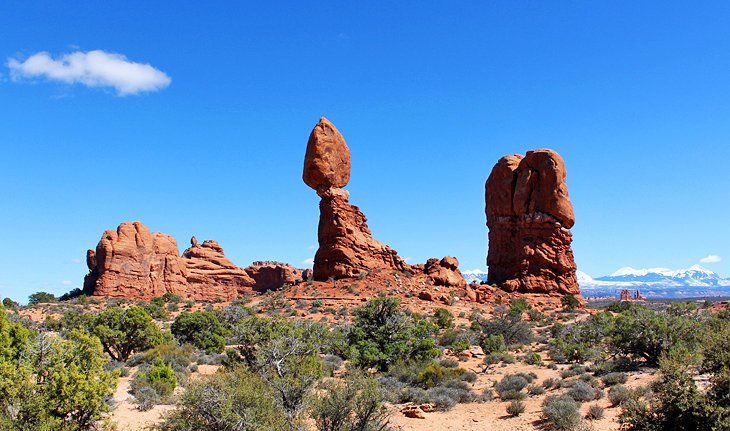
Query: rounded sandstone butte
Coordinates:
[529,215]
[327,160]
[132,262]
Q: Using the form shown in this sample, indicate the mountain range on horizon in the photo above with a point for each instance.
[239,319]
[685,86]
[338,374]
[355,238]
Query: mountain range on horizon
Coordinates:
[695,281]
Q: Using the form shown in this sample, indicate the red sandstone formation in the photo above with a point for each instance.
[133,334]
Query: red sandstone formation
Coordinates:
[346,245]
[445,272]
[529,216]
[133,263]
[269,275]
[210,274]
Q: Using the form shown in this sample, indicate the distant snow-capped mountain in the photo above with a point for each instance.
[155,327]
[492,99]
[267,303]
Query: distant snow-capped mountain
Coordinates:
[694,281]
[692,276]
[475,276]
[657,282]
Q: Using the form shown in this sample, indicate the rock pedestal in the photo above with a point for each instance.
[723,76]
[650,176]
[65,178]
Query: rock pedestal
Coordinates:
[529,215]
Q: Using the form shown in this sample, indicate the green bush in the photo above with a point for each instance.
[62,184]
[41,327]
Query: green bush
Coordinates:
[510,326]
[493,344]
[570,302]
[162,378]
[561,413]
[353,404]
[518,306]
[435,374]
[200,329]
[443,318]
[9,303]
[125,331]
[41,298]
[235,400]
[382,334]
[52,383]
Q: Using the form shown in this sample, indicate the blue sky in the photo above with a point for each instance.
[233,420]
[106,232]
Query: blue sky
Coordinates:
[634,95]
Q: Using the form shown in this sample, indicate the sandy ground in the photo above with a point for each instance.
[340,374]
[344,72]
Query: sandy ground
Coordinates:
[492,415]
[125,413]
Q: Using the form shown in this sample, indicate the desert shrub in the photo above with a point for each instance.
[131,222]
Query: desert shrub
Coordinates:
[332,363]
[533,358]
[469,376]
[618,394]
[435,374]
[443,318]
[510,386]
[125,331]
[9,303]
[201,329]
[179,357]
[574,370]
[510,326]
[146,398]
[518,306]
[41,298]
[595,412]
[285,354]
[570,302]
[235,400]
[515,408]
[535,390]
[677,403]
[162,378]
[582,391]
[382,334]
[52,382]
[229,316]
[496,358]
[646,334]
[449,363]
[582,341]
[550,383]
[353,404]
[445,397]
[493,344]
[561,413]
[612,379]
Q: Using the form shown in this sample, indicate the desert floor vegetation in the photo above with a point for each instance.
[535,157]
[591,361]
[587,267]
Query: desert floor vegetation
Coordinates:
[385,364]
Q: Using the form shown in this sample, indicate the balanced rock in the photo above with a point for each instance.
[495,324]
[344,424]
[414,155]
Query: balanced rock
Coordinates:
[210,274]
[327,160]
[133,263]
[529,215]
[346,245]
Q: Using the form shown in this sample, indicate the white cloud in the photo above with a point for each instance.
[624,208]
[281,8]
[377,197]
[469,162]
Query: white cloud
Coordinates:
[92,69]
[67,282]
[309,261]
[711,259]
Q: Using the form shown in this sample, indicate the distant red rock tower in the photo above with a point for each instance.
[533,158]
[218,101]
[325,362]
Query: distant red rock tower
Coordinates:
[529,215]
